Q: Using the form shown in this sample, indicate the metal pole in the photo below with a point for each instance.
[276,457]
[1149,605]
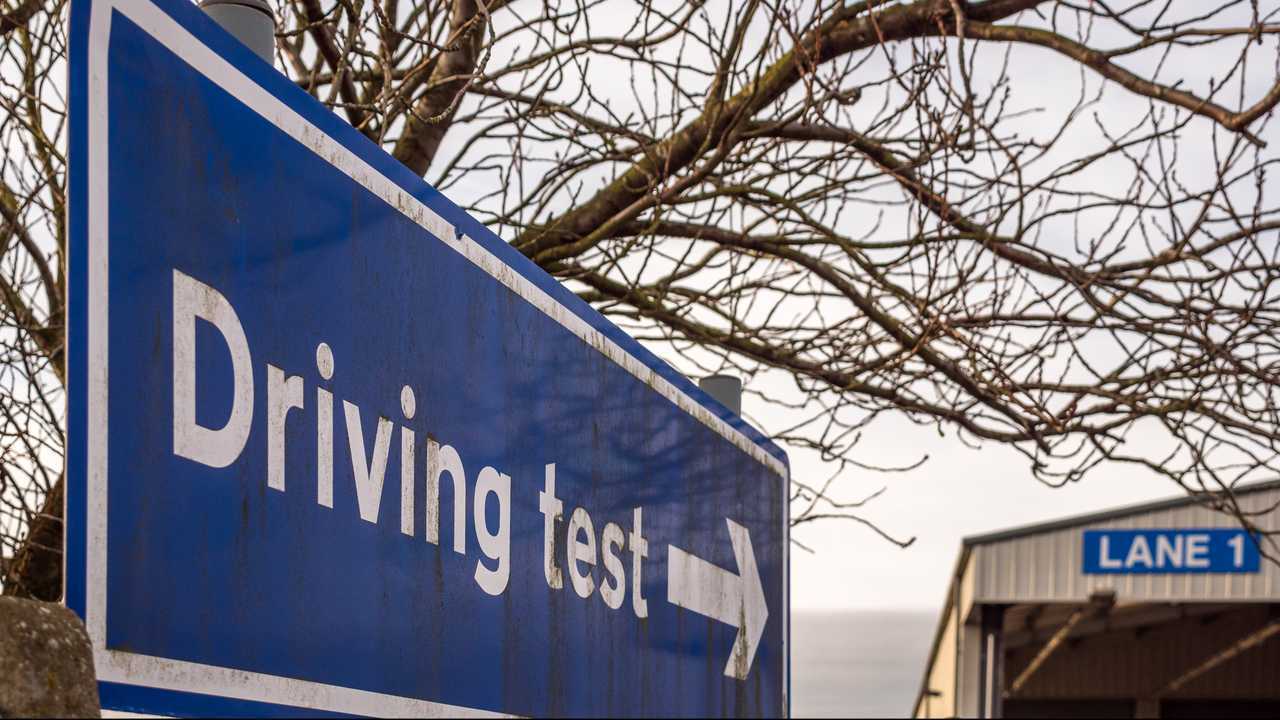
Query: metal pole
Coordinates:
[251,22]
[991,662]
[726,389]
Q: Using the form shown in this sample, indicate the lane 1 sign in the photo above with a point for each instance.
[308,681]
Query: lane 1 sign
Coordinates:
[334,446]
[1179,551]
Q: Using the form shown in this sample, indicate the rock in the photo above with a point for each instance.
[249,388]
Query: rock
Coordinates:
[46,662]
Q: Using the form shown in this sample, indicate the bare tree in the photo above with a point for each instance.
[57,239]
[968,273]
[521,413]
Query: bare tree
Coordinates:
[33,177]
[1039,224]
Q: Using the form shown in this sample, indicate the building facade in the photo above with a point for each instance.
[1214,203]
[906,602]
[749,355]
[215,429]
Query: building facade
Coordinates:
[1166,609]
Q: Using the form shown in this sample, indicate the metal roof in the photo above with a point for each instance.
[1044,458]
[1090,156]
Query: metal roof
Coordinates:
[1203,498]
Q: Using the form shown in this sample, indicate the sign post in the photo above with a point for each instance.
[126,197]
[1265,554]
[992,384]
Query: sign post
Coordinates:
[334,446]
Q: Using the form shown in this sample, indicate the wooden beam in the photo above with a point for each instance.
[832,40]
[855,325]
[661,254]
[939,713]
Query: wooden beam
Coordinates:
[1049,647]
[1253,639]
[1098,605]
[1148,615]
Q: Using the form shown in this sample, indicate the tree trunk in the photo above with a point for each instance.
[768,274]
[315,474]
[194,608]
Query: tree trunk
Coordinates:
[36,571]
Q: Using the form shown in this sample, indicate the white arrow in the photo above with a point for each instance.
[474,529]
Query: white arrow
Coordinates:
[737,600]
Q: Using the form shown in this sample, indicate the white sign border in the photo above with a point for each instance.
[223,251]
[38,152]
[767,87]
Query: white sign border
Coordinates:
[163,673]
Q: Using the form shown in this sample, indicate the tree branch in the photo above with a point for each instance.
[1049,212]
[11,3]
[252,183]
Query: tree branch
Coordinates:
[432,113]
[1100,62]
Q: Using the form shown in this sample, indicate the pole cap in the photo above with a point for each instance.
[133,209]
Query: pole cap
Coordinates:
[255,4]
[252,22]
[726,389]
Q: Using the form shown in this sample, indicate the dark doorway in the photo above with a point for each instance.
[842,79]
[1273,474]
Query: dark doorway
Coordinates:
[1178,709]
[1069,709]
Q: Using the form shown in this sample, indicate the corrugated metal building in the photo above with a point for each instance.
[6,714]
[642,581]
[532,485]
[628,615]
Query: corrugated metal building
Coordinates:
[1160,610]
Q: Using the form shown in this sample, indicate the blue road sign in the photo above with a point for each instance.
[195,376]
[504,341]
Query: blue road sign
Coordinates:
[334,446]
[1181,551]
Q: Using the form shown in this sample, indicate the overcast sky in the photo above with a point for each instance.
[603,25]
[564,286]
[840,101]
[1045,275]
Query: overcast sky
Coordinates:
[960,491]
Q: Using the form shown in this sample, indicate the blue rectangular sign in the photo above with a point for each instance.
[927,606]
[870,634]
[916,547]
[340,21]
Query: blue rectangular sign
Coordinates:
[1202,550]
[334,446]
